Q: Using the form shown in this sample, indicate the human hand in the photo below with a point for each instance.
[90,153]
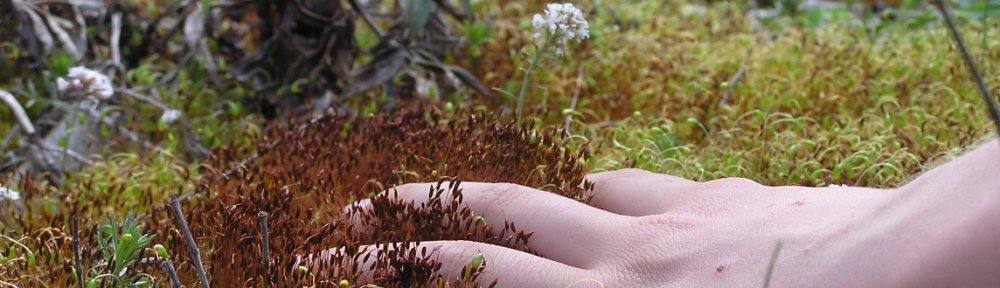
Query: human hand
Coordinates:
[653,230]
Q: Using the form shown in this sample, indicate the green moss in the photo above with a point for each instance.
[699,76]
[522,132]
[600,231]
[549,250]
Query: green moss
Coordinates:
[817,105]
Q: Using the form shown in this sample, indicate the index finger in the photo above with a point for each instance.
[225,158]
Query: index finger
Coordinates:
[564,230]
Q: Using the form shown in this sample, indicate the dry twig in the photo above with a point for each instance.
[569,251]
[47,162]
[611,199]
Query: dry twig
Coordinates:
[76,250]
[264,243]
[182,224]
[168,266]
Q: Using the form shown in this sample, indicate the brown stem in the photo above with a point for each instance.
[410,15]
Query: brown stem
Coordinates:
[76,250]
[264,246]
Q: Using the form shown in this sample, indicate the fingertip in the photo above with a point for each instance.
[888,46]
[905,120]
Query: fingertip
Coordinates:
[512,268]
[615,174]
[360,205]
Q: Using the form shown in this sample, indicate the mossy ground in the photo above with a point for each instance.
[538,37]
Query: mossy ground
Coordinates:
[820,104]
[823,99]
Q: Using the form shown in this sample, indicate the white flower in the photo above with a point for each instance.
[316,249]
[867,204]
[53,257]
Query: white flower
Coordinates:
[692,9]
[563,22]
[838,185]
[170,116]
[88,82]
[9,194]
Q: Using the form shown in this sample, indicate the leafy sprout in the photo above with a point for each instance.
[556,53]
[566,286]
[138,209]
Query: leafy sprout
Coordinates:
[121,248]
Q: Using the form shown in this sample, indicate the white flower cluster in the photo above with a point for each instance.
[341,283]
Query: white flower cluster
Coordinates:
[564,22]
[88,82]
[8,194]
[169,116]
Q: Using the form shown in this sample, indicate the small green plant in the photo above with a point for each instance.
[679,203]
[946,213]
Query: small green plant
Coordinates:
[27,255]
[120,248]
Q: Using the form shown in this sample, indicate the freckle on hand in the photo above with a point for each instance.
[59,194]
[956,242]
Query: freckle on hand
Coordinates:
[720,268]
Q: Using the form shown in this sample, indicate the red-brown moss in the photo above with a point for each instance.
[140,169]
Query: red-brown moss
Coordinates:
[305,172]
[305,176]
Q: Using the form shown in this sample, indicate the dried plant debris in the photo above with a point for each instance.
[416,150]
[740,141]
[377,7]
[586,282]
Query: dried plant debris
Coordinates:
[310,38]
[306,176]
[274,46]
[413,47]
[315,41]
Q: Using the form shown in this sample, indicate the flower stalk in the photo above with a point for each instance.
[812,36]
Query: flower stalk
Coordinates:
[527,78]
[561,24]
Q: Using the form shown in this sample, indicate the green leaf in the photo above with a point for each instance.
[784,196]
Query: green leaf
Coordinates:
[418,11]
[467,7]
[59,63]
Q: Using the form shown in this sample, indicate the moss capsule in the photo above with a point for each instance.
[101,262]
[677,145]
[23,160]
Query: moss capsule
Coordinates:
[477,261]
[161,251]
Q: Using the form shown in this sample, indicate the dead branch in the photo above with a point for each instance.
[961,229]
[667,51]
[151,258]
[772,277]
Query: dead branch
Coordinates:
[182,224]
[22,117]
[76,250]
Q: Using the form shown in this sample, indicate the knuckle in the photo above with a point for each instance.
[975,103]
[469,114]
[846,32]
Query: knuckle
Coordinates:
[460,249]
[599,279]
[662,223]
[627,172]
[505,187]
[407,188]
[620,174]
[500,195]
[731,182]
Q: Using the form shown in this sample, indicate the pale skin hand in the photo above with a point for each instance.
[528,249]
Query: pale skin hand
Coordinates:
[653,230]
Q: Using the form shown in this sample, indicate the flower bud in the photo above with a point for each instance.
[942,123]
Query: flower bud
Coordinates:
[126,238]
[161,251]
[479,220]
[477,261]
[30,256]
[449,108]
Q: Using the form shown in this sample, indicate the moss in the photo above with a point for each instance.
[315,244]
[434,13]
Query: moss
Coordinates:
[833,104]
[307,171]
[821,102]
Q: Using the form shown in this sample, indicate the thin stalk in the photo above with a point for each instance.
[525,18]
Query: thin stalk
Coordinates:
[991,103]
[367,17]
[175,206]
[771,264]
[735,80]
[168,266]
[986,23]
[76,251]
[527,75]
[568,120]
[18,110]
[265,255]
